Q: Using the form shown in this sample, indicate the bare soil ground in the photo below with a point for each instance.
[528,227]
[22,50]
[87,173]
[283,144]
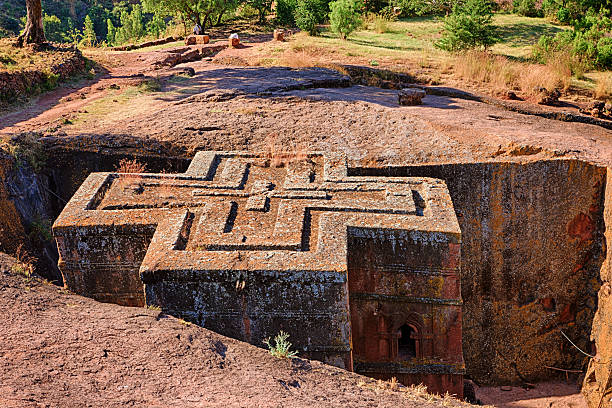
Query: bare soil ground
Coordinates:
[254,108]
[62,350]
[544,395]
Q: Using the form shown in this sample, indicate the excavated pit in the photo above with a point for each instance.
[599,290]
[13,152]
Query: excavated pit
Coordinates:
[534,246]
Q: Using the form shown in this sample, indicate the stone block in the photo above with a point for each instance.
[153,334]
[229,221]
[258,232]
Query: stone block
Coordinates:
[279,35]
[362,272]
[411,96]
[197,39]
[234,40]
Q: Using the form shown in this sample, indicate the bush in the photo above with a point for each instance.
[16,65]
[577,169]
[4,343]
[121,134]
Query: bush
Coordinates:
[89,33]
[424,7]
[589,45]
[344,18]
[526,8]
[604,52]
[285,12]
[468,26]
[309,14]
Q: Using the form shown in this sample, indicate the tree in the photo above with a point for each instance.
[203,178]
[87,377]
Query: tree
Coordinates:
[34,32]
[468,26]
[344,17]
[310,13]
[263,7]
[89,33]
[196,11]
[110,32]
[285,11]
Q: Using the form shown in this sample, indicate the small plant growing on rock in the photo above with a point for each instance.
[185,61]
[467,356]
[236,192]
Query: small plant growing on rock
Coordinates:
[281,347]
[150,85]
[131,166]
[25,264]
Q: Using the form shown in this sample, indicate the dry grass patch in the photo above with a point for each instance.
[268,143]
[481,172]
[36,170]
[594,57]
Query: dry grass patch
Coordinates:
[502,74]
[129,173]
[298,59]
[603,88]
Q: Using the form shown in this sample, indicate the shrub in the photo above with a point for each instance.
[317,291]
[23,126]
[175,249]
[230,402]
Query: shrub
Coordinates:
[526,8]
[589,45]
[344,18]
[604,52]
[281,347]
[424,7]
[309,14]
[468,26]
[285,12]
[54,29]
[89,33]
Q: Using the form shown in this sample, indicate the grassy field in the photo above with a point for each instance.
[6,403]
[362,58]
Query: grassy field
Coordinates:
[15,59]
[409,45]
[414,36]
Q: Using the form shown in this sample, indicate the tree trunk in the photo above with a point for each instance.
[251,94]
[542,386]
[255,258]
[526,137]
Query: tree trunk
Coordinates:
[206,22]
[34,32]
[220,17]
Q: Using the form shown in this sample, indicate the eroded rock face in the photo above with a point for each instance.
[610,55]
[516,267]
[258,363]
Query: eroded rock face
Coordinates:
[362,272]
[597,387]
[532,251]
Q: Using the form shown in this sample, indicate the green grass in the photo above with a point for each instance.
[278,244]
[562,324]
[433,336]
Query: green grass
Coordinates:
[416,35]
[412,36]
[16,59]
[519,34]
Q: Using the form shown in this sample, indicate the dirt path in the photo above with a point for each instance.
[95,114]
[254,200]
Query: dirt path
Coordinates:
[544,395]
[63,350]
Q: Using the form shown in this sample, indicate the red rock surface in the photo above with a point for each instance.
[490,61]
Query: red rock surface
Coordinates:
[62,350]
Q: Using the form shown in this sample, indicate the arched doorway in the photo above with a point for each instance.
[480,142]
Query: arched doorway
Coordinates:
[407,343]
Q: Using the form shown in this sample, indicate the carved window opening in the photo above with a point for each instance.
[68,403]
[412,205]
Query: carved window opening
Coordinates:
[407,344]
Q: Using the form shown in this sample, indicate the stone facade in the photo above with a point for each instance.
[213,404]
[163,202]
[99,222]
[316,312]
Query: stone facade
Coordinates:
[362,272]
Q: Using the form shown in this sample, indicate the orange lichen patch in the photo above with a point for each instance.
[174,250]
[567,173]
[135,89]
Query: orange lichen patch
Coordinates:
[12,233]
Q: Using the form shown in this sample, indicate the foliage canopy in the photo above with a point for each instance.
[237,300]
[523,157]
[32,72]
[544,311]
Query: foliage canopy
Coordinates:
[469,26]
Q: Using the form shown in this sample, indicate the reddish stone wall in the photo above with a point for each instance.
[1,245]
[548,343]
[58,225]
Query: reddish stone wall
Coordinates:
[531,255]
[414,283]
[597,386]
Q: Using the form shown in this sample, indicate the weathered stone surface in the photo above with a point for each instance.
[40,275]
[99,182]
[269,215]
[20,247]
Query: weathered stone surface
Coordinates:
[197,39]
[361,271]
[597,386]
[531,232]
[411,96]
[231,82]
